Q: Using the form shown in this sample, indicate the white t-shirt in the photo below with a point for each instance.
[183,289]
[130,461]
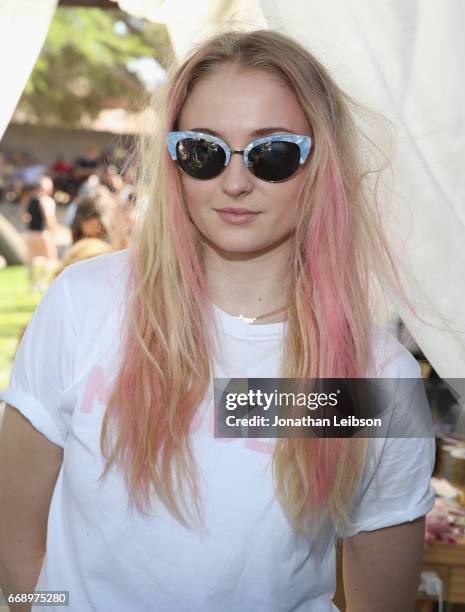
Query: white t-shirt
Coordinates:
[110,559]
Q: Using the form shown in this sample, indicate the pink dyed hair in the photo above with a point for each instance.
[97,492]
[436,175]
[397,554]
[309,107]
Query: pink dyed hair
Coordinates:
[339,247]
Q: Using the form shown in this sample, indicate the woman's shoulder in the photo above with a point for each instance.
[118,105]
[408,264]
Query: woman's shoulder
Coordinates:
[390,358]
[98,286]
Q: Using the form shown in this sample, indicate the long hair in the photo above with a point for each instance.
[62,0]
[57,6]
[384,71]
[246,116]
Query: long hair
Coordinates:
[338,249]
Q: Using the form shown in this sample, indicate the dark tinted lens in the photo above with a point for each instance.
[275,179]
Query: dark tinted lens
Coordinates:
[274,160]
[200,158]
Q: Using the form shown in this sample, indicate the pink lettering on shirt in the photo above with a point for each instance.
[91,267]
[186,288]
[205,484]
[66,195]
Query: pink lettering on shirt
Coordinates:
[95,390]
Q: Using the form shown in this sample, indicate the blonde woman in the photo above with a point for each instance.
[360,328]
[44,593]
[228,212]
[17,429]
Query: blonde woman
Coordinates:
[252,261]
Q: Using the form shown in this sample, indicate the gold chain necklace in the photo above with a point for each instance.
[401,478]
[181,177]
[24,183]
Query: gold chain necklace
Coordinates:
[263,316]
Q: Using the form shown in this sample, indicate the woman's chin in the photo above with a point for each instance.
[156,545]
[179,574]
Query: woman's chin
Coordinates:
[240,249]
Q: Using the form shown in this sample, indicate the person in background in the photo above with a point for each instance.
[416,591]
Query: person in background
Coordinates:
[86,165]
[100,217]
[60,172]
[89,221]
[60,166]
[33,170]
[28,192]
[42,227]
[91,187]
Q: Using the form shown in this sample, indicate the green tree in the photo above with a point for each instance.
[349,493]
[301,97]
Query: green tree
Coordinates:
[83,65]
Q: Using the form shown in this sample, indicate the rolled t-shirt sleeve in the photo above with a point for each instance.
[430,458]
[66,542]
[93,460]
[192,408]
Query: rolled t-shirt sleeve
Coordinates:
[43,364]
[396,487]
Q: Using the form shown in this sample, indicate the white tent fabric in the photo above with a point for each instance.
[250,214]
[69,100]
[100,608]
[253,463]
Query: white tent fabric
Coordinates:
[23,27]
[202,17]
[188,22]
[404,59]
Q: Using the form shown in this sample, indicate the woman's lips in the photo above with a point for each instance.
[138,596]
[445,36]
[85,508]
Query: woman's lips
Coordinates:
[237,218]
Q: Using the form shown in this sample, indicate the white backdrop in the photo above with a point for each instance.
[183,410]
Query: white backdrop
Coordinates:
[188,21]
[406,59]
[23,27]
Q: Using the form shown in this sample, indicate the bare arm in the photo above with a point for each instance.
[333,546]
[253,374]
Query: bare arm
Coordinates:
[29,467]
[382,568]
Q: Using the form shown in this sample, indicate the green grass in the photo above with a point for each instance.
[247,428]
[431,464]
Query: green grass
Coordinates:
[17,304]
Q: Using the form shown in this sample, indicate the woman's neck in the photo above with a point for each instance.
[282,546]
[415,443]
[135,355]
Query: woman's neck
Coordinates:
[249,284]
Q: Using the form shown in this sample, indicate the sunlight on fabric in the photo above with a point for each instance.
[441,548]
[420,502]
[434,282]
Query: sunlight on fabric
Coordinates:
[23,28]
[154,10]
[189,22]
[386,55]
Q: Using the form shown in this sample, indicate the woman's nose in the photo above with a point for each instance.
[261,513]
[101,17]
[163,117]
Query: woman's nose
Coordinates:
[236,180]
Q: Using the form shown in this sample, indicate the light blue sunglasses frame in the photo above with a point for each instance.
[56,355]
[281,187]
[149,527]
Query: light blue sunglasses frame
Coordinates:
[303,142]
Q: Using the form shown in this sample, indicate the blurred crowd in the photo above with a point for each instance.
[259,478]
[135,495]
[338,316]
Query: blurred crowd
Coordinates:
[99,204]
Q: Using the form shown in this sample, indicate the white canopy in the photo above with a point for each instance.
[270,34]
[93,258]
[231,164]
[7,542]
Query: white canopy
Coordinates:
[23,28]
[406,60]
[188,22]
